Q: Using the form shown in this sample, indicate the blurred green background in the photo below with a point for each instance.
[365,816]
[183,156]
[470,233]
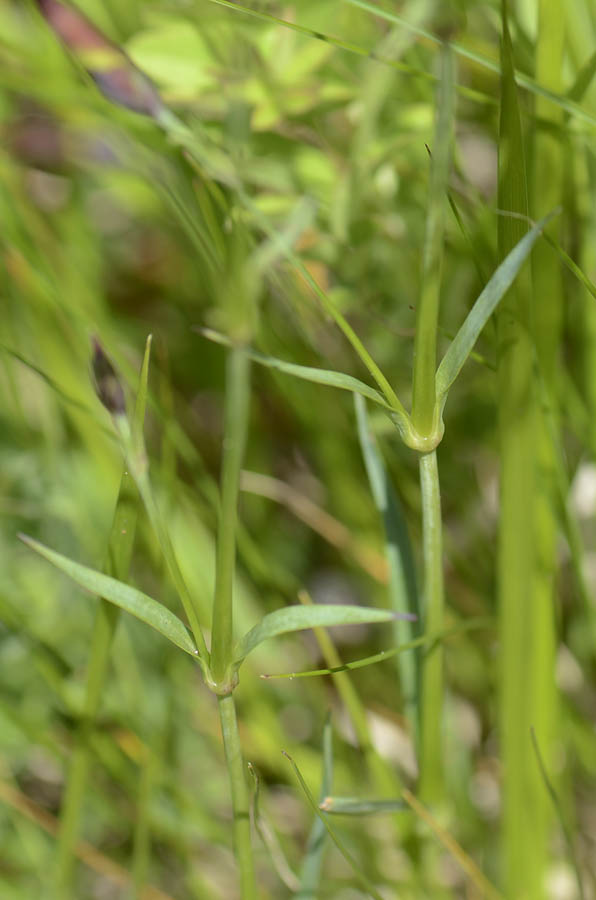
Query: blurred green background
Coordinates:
[99,237]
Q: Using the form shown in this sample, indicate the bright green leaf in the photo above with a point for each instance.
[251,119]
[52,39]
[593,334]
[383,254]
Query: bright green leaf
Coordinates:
[297,618]
[307,373]
[133,601]
[461,347]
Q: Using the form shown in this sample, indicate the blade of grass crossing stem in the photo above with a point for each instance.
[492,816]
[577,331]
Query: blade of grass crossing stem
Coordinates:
[524,850]
[567,833]
[312,864]
[361,877]
[548,168]
[403,595]
[120,545]
[425,344]
[384,778]
[270,839]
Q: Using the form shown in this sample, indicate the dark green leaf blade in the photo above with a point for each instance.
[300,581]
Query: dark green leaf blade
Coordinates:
[128,598]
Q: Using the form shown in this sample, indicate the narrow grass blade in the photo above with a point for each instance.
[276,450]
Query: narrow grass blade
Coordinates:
[312,864]
[354,806]
[270,839]
[583,80]
[560,815]
[298,618]
[403,593]
[500,282]
[492,65]
[128,598]
[431,640]
[319,376]
[340,320]
[120,546]
[478,879]
[364,881]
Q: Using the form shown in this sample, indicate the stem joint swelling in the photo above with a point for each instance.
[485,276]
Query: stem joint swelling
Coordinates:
[423,443]
[222,687]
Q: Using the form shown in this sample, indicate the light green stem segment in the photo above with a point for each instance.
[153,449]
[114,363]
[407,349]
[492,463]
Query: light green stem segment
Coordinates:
[236,424]
[425,346]
[431,687]
[240,801]
[523,618]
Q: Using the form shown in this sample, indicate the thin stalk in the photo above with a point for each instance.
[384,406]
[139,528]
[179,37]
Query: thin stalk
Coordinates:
[431,688]
[236,424]
[548,171]
[240,799]
[425,346]
[520,622]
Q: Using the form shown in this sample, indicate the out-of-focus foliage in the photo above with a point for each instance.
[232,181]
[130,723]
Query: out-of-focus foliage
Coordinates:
[109,229]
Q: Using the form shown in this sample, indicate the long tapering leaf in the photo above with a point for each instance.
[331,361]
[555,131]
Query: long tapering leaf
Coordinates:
[132,600]
[298,618]
[502,279]
[312,864]
[307,373]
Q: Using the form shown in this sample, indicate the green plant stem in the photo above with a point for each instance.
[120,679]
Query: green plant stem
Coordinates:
[521,621]
[431,688]
[425,347]
[236,424]
[240,799]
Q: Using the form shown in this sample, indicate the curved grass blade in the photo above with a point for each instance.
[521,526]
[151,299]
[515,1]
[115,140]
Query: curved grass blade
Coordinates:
[298,618]
[470,625]
[477,877]
[403,594]
[522,80]
[307,373]
[310,875]
[354,806]
[560,815]
[343,850]
[120,545]
[501,280]
[128,598]
[269,838]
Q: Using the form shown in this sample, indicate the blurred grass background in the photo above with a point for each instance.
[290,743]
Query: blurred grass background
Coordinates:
[99,237]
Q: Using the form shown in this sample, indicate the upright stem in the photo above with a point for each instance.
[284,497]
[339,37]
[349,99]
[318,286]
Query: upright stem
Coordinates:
[431,690]
[523,627]
[236,423]
[240,802]
[425,346]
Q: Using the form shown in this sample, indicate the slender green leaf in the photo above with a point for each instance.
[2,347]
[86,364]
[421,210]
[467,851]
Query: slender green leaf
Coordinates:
[478,622]
[132,600]
[403,594]
[343,850]
[354,806]
[312,864]
[502,279]
[307,373]
[297,618]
